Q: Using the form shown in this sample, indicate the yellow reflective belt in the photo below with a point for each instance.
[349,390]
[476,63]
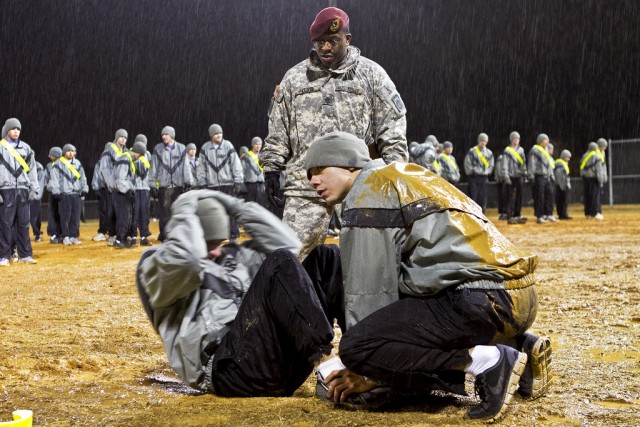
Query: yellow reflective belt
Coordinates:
[451,162]
[601,154]
[16,155]
[436,165]
[482,158]
[546,154]
[73,170]
[144,161]
[586,159]
[116,149]
[255,159]
[516,155]
[564,164]
[133,166]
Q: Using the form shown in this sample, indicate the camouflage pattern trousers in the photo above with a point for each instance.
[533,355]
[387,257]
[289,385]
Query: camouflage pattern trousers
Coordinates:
[309,217]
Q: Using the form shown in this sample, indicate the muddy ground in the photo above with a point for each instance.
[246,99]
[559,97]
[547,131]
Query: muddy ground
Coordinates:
[77,349]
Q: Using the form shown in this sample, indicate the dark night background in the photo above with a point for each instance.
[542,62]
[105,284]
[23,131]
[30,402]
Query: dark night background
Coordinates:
[75,71]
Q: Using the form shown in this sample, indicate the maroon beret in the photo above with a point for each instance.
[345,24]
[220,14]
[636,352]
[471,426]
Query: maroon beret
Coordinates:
[331,20]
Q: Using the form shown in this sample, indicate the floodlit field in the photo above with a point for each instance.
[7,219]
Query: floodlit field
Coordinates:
[77,349]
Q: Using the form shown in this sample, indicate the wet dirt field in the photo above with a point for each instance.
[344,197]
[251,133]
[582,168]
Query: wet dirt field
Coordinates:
[77,349]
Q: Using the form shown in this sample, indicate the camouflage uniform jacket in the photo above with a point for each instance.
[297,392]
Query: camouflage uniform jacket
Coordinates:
[473,165]
[539,164]
[169,167]
[449,168]
[358,97]
[219,165]
[408,231]
[511,166]
[193,300]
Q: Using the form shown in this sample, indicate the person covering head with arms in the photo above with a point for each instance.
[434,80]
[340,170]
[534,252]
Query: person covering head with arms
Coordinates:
[433,260]
[336,88]
[240,319]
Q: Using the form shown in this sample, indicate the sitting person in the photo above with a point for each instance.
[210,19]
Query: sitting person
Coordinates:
[432,289]
[239,319]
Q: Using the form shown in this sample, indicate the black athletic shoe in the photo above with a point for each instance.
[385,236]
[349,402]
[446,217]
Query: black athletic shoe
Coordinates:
[536,379]
[495,386]
[120,245]
[145,242]
[373,399]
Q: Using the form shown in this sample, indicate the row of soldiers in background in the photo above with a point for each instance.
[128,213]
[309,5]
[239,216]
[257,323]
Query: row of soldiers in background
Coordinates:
[512,169]
[126,180]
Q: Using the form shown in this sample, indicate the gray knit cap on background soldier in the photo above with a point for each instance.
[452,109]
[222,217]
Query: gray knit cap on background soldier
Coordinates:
[425,154]
[336,88]
[449,167]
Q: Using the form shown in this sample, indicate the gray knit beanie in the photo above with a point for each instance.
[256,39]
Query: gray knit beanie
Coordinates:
[10,124]
[168,130]
[432,139]
[413,144]
[68,147]
[483,137]
[141,138]
[541,138]
[566,154]
[447,144]
[593,146]
[214,129]
[214,219]
[244,150]
[339,149]
[513,135]
[602,142]
[55,152]
[256,140]
[191,146]
[121,133]
[550,147]
[139,147]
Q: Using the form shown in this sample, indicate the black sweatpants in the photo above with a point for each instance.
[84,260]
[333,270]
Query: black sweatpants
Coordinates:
[562,201]
[166,197]
[542,196]
[255,193]
[14,222]
[234,231]
[416,343]
[34,217]
[123,206]
[591,196]
[53,217]
[514,198]
[103,210]
[478,190]
[141,214]
[502,199]
[282,325]
[69,207]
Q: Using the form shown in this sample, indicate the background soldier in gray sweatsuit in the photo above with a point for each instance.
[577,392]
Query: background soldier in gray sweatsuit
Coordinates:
[425,154]
[219,169]
[18,185]
[563,184]
[335,88]
[478,165]
[67,184]
[141,186]
[540,166]
[253,173]
[35,205]
[448,165]
[108,161]
[53,213]
[515,171]
[170,170]
[594,175]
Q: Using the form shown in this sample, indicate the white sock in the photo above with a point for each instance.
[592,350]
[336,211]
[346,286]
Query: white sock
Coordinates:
[483,357]
[328,366]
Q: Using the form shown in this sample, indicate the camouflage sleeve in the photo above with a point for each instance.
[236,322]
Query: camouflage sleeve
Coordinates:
[389,122]
[277,146]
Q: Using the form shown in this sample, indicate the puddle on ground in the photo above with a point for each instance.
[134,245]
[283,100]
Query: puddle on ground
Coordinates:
[609,356]
[170,385]
[618,404]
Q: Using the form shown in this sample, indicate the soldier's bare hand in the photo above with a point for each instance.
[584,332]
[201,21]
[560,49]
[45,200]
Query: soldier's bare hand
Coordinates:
[344,382]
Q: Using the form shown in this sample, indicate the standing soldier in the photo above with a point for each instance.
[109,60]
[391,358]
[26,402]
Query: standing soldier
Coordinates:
[594,176]
[99,188]
[193,163]
[563,184]
[141,185]
[220,169]
[34,205]
[425,154]
[498,176]
[170,171]
[68,184]
[478,165]
[540,166]
[448,164]
[53,213]
[515,170]
[108,161]
[602,147]
[19,185]
[253,173]
[334,89]
[124,198]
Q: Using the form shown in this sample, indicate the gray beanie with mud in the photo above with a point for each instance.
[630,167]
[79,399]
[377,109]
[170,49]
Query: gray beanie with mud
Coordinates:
[339,149]
[214,129]
[213,218]
[168,130]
